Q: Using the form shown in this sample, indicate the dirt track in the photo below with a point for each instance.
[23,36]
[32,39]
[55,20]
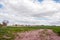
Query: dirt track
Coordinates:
[42,34]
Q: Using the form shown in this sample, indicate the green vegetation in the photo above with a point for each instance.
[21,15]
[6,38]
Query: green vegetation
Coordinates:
[9,31]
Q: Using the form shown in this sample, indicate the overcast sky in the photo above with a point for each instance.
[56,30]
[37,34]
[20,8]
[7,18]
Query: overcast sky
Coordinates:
[33,12]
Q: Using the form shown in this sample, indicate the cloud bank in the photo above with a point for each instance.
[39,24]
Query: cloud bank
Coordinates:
[32,12]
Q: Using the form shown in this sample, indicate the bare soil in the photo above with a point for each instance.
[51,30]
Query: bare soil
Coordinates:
[42,34]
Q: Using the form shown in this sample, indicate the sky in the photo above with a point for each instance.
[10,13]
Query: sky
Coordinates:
[30,12]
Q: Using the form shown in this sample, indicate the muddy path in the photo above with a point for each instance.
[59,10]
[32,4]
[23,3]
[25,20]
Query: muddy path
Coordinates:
[42,34]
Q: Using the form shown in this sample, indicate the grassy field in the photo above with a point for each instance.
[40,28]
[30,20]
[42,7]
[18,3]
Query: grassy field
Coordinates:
[8,31]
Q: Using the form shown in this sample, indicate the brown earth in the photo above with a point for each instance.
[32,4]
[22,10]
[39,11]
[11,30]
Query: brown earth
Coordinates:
[42,34]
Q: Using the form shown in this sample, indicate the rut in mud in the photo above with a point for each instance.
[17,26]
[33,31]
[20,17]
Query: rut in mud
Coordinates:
[42,34]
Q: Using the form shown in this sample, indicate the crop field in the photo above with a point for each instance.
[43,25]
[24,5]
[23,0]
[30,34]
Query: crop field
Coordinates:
[9,31]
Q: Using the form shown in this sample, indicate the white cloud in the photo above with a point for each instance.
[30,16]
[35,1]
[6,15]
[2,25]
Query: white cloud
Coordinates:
[25,11]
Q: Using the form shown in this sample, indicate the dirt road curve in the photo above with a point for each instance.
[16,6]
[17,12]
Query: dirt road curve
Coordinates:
[42,34]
